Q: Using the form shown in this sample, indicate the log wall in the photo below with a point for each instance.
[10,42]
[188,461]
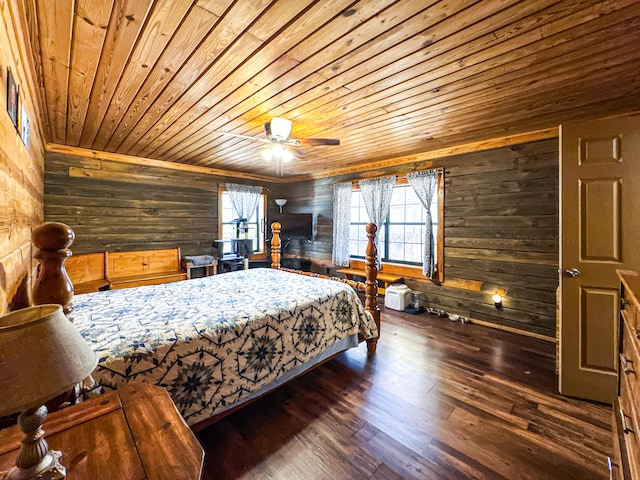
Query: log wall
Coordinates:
[501,222]
[501,232]
[21,177]
[117,206]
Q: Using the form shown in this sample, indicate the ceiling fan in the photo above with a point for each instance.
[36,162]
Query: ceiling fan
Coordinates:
[277,132]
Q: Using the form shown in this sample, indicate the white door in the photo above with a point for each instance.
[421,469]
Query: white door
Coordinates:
[600,232]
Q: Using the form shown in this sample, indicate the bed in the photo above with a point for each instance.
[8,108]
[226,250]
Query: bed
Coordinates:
[218,342]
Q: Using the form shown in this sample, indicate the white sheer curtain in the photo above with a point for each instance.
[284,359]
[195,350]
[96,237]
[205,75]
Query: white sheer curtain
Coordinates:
[425,185]
[244,199]
[341,223]
[376,194]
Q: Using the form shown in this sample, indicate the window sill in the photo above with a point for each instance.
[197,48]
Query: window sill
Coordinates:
[406,271]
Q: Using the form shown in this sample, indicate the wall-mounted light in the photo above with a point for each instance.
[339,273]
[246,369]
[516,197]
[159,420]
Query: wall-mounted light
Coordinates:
[281,202]
[497,301]
[498,296]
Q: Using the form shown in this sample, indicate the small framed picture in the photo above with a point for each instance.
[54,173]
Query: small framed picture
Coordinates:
[25,128]
[12,98]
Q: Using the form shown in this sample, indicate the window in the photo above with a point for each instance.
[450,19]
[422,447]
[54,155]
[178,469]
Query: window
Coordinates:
[228,228]
[401,237]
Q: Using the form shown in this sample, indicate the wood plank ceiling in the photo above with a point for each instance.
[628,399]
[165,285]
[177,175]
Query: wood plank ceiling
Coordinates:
[161,78]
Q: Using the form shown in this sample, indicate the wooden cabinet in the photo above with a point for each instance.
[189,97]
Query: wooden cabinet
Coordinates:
[626,408]
[135,433]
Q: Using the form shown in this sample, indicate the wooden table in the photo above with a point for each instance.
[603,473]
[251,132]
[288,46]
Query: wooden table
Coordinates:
[135,433]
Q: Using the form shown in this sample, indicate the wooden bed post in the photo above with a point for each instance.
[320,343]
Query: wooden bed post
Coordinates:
[52,284]
[275,245]
[371,288]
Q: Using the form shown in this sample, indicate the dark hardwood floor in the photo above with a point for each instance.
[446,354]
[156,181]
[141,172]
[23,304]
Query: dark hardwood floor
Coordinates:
[440,399]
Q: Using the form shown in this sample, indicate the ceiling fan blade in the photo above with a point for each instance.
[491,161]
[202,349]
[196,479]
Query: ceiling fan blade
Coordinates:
[248,137]
[312,142]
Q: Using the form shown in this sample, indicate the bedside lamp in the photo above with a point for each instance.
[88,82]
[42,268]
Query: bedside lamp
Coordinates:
[281,202]
[42,355]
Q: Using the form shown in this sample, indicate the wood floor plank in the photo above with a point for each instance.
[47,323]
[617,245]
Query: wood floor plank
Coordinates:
[439,400]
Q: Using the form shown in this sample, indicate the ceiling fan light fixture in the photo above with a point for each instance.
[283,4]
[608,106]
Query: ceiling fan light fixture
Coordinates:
[280,128]
[287,155]
[267,154]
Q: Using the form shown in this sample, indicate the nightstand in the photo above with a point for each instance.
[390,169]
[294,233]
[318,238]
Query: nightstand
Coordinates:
[135,433]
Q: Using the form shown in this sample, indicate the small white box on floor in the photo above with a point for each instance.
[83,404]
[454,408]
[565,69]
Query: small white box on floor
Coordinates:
[397,296]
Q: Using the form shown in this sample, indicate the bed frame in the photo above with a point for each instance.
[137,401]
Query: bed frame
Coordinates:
[370,287]
[52,284]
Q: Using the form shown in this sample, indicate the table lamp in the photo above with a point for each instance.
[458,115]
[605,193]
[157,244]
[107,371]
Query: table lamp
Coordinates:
[42,355]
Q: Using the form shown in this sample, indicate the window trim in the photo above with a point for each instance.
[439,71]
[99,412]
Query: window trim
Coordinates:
[260,255]
[415,271]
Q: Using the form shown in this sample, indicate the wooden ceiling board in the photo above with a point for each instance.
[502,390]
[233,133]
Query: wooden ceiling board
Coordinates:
[90,24]
[197,26]
[55,23]
[349,102]
[262,93]
[272,58]
[538,75]
[418,21]
[127,20]
[163,21]
[392,79]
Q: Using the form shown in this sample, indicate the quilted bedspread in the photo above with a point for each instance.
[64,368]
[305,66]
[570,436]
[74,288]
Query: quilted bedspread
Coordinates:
[215,341]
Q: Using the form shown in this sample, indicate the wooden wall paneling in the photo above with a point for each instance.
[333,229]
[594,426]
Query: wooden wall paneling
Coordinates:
[20,167]
[116,206]
[131,207]
[504,210]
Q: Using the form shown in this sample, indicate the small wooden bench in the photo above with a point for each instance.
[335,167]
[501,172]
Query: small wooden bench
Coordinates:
[143,267]
[386,278]
[87,272]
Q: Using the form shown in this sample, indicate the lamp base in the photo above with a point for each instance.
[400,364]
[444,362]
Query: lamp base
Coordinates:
[49,468]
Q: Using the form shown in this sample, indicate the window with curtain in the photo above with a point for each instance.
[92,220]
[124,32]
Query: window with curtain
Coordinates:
[402,236]
[227,226]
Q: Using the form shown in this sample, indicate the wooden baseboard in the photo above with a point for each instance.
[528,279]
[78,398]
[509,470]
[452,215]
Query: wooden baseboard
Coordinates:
[514,330]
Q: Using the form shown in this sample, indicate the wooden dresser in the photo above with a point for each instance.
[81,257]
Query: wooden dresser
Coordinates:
[135,433]
[626,408]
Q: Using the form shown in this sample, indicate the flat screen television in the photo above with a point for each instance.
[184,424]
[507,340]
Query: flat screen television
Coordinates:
[294,225]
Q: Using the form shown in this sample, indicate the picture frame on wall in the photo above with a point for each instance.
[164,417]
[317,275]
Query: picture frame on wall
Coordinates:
[25,127]
[12,98]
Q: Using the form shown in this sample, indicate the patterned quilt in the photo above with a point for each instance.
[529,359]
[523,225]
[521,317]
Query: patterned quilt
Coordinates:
[215,341]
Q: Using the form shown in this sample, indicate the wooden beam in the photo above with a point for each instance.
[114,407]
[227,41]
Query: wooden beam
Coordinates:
[117,157]
[424,160]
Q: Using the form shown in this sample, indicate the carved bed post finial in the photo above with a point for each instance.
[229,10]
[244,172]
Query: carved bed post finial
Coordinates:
[52,284]
[275,245]
[371,288]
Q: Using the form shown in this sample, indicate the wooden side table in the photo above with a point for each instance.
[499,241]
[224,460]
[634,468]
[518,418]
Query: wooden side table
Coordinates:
[134,433]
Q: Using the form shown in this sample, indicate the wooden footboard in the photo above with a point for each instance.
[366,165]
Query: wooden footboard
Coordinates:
[370,287]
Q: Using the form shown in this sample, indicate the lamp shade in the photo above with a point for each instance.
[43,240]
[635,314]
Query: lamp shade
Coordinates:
[42,355]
